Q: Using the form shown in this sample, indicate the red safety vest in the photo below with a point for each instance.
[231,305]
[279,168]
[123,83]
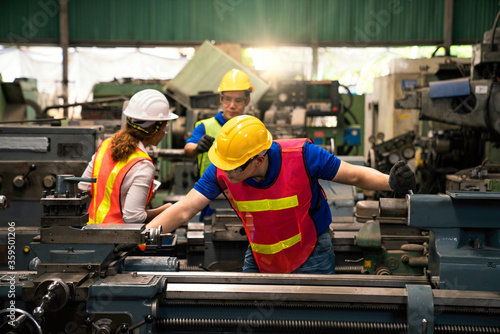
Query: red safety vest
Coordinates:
[105,206]
[280,230]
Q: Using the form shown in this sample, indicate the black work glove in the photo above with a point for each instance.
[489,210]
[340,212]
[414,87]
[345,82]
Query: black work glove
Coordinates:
[401,179]
[204,143]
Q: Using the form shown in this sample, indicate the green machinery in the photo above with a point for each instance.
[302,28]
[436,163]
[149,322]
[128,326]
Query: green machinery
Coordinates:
[387,244]
[108,91]
[19,100]
[316,110]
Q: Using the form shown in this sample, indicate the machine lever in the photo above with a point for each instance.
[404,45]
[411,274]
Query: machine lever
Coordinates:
[126,329]
[354,261]
[424,326]
[20,180]
[32,168]
[89,323]
[19,320]
[3,202]
[39,311]
[81,179]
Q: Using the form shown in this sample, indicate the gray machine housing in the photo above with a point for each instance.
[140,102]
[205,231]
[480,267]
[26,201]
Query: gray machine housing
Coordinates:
[31,157]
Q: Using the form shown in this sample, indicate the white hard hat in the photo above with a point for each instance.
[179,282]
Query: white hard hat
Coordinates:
[149,105]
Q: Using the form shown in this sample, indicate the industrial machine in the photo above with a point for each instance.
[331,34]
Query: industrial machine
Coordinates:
[316,110]
[421,264]
[20,100]
[93,279]
[395,133]
[468,102]
[434,157]
[465,115]
[485,177]
[31,157]
[72,256]
[86,279]
[384,120]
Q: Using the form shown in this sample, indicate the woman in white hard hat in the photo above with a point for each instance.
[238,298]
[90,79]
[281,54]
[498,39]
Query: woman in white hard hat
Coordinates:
[121,166]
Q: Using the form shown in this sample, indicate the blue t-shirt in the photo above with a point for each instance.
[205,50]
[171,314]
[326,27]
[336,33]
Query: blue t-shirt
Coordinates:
[320,164]
[199,131]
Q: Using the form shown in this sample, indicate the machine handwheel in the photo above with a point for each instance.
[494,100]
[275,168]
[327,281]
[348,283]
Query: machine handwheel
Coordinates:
[383,271]
[24,322]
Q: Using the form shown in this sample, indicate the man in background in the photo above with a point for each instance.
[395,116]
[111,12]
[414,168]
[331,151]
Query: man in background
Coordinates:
[235,89]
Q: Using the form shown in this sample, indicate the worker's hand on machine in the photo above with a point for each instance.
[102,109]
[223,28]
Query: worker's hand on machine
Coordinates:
[402,179]
[204,143]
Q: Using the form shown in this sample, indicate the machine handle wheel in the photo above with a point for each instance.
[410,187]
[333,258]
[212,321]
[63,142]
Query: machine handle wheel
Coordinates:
[18,324]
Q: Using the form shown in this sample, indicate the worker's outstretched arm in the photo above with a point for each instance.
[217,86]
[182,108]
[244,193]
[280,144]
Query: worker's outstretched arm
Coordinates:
[181,212]
[190,150]
[363,177]
[152,213]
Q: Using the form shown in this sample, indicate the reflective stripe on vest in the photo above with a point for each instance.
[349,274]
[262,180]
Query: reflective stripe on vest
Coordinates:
[212,128]
[271,205]
[105,206]
[280,230]
[267,204]
[277,247]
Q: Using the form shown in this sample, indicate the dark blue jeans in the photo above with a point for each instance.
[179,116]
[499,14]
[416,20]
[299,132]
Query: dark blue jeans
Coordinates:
[321,261]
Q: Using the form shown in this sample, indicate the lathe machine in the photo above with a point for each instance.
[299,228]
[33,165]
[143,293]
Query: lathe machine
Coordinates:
[87,280]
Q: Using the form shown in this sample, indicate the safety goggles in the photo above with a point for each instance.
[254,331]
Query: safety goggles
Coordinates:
[240,169]
[167,127]
[237,100]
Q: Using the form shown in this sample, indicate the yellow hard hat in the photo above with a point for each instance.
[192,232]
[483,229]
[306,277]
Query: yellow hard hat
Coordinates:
[235,80]
[239,140]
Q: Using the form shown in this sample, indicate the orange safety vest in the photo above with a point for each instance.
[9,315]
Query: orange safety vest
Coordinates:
[280,230]
[105,206]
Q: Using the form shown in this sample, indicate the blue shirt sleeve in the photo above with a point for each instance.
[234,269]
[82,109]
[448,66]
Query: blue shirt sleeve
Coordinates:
[198,132]
[320,163]
[207,185]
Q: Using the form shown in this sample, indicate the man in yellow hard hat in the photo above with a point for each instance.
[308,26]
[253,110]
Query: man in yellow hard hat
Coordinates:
[274,188]
[235,89]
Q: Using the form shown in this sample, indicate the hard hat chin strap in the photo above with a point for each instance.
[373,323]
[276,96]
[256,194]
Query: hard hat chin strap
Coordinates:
[143,125]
